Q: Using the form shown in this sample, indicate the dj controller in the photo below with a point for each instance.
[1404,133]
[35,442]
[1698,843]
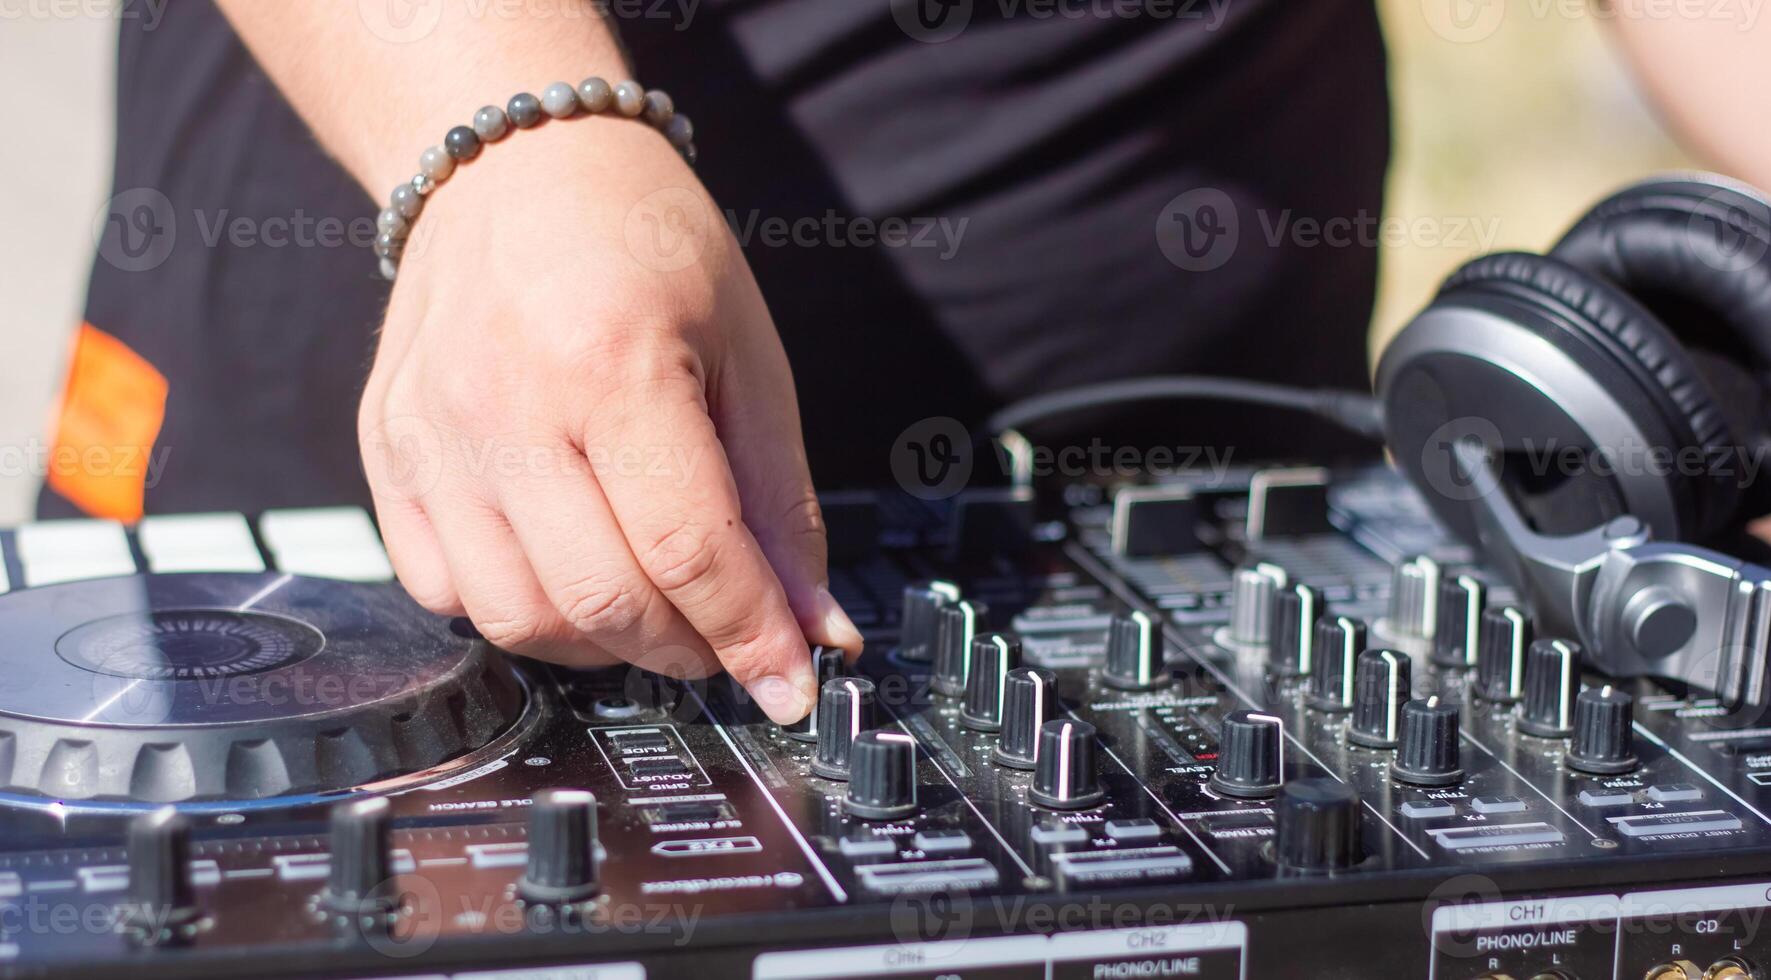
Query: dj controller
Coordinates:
[1272,723]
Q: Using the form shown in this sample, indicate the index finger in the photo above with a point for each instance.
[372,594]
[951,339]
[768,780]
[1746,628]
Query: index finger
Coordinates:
[659,460]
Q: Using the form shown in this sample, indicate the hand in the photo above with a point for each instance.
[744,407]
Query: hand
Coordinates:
[584,437]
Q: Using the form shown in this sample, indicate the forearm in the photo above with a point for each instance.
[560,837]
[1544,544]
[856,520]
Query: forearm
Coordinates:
[377,92]
[1711,76]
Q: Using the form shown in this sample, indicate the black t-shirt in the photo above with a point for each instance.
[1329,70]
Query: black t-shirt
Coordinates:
[1075,190]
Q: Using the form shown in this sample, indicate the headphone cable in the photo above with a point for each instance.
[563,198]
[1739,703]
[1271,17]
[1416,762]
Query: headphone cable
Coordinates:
[1355,411]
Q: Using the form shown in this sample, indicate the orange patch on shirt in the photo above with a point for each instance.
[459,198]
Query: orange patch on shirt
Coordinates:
[111,412]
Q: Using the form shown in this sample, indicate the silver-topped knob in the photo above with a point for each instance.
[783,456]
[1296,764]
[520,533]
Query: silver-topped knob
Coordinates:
[1251,601]
[1414,599]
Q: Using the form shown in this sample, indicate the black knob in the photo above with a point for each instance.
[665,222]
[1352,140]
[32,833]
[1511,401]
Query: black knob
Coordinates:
[1029,700]
[882,776]
[1429,754]
[361,870]
[1251,755]
[562,848]
[1384,683]
[1604,738]
[828,663]
[1251,598]
[1339,641]
[917,623]
[993,656]
[162,900]
[1552,681]
[1291,639]
[1461,601]
[1064,777]
[958,625]
[1500,666]
[846,708]
[1135,660]
[1318,826]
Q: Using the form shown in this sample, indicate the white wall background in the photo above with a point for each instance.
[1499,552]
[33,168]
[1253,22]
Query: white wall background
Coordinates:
[56,78]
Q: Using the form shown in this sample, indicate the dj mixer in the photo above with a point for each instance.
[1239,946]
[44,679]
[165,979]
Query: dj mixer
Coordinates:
[1268,723]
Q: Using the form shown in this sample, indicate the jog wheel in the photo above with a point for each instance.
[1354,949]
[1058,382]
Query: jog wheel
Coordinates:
[173,688]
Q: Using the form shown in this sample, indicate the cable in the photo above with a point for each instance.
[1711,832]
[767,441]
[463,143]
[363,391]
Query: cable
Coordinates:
[1354,411]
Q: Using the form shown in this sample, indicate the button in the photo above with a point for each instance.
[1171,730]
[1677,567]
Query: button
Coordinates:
[1059,833]
[504,854]
[656,766]
[1661,824]
[867,847]
[649,741]
[707,846]
[925,877]
[1427,809]
[1606,797]
[688,812]
[1135,830]
[104,878]
[1674,793]
[1496,835]
[11,886]
[302,867]
[1497,804]
[1232,826]
[1145,864]
[942,841]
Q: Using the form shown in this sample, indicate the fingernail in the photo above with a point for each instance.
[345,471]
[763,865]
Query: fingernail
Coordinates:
[784,700]
[839,629]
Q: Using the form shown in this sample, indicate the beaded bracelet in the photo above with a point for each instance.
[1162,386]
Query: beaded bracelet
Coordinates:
[463,143]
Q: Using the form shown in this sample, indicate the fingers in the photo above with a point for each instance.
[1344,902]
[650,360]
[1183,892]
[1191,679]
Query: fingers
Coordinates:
[758,420]
[590,577]
[498,588]
[411,541]
[686,528]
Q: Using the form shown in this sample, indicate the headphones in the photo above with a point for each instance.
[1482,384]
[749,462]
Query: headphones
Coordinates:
[1568,412]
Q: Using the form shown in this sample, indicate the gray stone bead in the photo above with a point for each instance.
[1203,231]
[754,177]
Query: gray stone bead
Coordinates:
[389,247]
[391,222]
[436,163]
[524,110]
[660,107]
[596,94]
[423,185]
[630,99]
[462,143]
[490,124]
[406,201]
[559,100]
[679,131]
[690,154]
[389,269]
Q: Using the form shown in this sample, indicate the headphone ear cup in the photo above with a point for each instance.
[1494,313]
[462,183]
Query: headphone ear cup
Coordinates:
[1545,355]
[1695,250]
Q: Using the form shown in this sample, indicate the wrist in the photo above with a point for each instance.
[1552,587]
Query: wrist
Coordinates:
[614,138]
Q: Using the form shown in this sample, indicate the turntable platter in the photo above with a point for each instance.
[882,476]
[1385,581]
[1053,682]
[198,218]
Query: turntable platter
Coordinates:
[164,688]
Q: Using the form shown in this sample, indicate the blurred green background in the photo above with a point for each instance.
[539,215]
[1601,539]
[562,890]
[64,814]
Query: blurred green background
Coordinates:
[1523,128]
